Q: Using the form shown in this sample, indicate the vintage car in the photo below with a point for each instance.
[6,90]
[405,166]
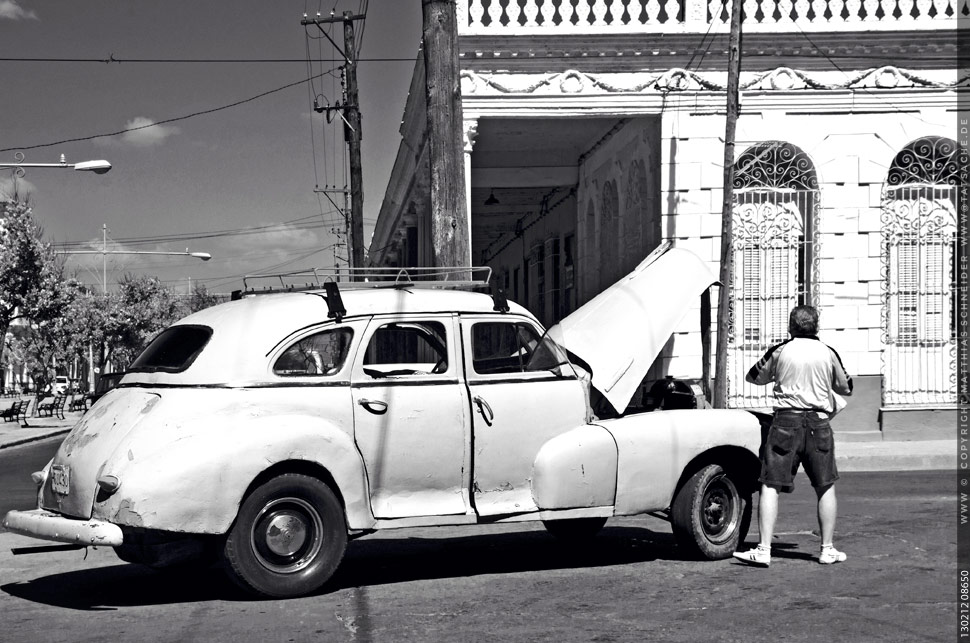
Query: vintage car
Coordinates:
[265,432]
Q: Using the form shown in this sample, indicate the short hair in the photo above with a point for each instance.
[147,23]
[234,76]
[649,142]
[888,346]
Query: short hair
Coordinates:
[803,321]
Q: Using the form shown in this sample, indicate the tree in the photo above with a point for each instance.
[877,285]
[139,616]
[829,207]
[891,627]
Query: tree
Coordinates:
[50,335]
[22,259]
[201,298]
[141,309]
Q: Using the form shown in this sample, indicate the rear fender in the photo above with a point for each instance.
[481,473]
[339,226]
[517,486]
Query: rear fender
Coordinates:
[196,484]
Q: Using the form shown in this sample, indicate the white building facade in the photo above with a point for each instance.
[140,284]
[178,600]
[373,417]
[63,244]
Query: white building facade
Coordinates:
[594,131]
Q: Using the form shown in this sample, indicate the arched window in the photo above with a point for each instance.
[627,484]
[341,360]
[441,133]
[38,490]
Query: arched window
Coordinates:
[919,231]
[775,263]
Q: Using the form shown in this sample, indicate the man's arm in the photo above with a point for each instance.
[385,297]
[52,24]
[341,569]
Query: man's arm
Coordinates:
[764,370]
[841,382]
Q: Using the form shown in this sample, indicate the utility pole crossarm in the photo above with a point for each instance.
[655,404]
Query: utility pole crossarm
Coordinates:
[319,22]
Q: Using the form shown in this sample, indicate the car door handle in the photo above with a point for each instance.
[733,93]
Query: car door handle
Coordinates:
[485,410]
[374,406]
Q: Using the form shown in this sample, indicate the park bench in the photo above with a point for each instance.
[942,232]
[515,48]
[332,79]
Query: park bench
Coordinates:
[16,412]
[54,407]
[78,403]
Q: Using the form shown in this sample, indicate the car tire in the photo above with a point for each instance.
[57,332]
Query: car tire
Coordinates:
[574,529]
[288,538]
[711,513]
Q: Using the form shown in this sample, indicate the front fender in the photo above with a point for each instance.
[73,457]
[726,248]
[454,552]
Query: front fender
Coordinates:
[195,483]
[576,469]
[655,448]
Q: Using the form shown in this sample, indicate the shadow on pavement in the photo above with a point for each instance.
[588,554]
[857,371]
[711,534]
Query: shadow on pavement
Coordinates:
[369,561]
[123,585]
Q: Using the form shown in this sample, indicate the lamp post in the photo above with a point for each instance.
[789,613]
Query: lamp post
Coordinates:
[98,167]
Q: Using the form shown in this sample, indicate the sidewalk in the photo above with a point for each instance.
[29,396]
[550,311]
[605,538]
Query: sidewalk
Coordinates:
[872,455]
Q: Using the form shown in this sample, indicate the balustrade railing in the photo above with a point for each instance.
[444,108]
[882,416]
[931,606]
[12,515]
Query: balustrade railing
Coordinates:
[514,17]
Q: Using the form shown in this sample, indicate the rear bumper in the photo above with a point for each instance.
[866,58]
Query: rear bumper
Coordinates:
[46,525]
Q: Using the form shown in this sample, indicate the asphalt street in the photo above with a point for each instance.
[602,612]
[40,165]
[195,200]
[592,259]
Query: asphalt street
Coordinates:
[515,583]
[16,465]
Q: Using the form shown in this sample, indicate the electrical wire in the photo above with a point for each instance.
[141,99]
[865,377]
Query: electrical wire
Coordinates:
[162,122]
[887,57]
[202,61]
[271,227]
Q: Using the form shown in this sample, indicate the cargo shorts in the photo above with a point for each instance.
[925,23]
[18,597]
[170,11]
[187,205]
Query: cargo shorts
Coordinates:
[798,438]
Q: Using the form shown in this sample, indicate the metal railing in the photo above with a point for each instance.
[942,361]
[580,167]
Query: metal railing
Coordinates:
[524,17]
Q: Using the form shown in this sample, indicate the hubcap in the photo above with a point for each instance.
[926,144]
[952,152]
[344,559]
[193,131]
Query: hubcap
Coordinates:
[287,535]
[720,510]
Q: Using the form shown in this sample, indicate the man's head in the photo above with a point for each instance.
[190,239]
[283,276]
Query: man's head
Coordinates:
[803,321]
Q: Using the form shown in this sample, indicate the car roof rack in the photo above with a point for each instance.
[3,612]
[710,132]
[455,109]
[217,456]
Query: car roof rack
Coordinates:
[450,277]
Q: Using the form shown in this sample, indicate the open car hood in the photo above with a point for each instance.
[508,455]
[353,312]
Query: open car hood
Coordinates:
[622,330]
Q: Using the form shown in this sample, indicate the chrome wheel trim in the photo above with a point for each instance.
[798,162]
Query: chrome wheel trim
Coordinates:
[287,535]
[720,510]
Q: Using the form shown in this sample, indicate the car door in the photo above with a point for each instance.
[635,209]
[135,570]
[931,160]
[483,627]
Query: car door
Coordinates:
[523,393]
[411,417]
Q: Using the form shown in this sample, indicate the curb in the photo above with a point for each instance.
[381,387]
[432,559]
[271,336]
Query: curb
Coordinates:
[34,438]
[897,462]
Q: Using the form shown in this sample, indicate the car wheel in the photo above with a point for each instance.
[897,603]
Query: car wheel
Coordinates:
[574,529]
[710,515]
[288,539]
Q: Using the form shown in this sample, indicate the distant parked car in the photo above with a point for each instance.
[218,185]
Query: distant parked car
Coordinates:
[61,385]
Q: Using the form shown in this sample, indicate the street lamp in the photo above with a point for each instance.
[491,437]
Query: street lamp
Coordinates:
[98,167]
[204,256]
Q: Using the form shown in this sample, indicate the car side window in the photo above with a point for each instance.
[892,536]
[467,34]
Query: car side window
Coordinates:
[504,347]
[321,354]
[407,348]
[501,347]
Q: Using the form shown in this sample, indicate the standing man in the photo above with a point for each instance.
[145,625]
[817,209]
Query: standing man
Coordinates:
[806,374]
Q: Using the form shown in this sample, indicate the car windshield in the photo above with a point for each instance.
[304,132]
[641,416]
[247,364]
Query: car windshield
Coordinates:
[547,356]
[173,350]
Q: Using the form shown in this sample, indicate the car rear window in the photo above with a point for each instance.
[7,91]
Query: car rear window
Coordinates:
[173,350]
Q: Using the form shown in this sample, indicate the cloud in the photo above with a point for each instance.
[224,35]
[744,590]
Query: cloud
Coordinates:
[283,241]
[144,133]
[10,10]
[11,185]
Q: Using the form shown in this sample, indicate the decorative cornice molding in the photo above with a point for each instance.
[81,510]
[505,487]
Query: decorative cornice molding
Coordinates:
[573,82]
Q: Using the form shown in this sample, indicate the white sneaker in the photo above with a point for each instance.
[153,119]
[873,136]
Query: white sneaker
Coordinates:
[830,555]
[760,556]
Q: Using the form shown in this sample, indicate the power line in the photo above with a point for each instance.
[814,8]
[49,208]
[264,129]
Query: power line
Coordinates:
[860,56]
[168,120]
[261,229]
[203,61]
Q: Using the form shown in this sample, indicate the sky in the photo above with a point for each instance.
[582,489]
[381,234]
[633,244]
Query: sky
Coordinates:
[237,183]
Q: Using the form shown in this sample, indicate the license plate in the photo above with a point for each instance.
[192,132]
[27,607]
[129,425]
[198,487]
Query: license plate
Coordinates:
[61,479]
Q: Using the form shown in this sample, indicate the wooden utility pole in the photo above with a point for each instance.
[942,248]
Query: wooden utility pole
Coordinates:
[351,115]
[449,220]
[727,210]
